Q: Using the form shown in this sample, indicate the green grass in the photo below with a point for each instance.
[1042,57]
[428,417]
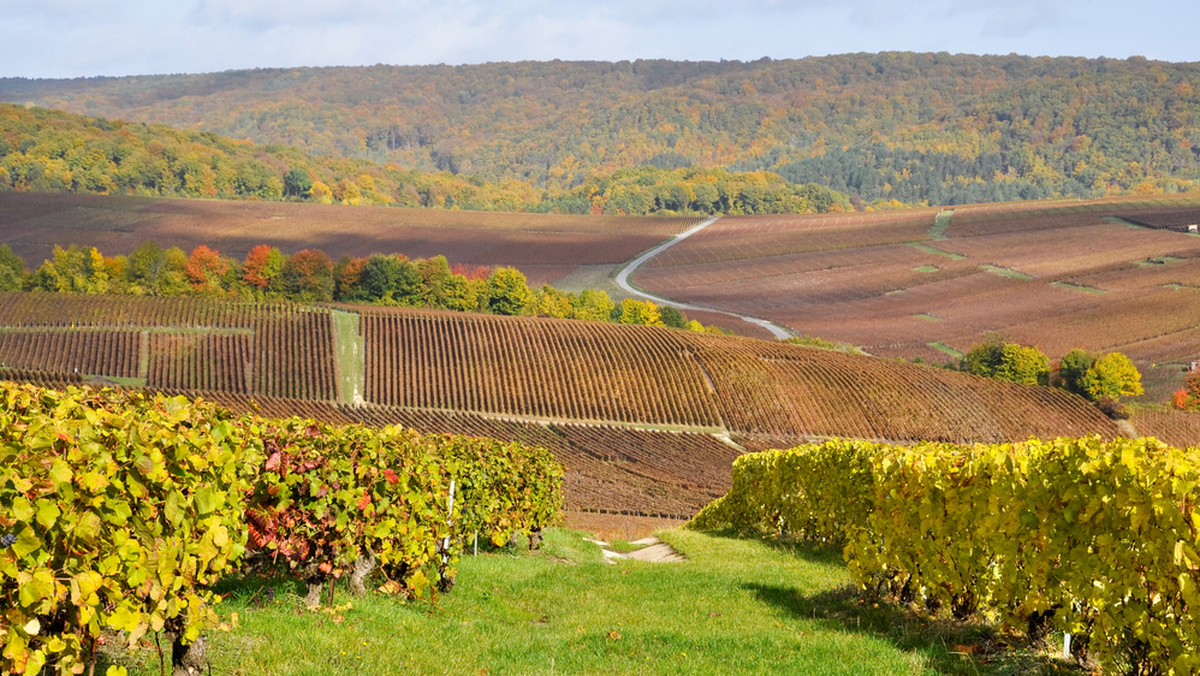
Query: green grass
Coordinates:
[1005,272]
[1160,260]
[1079,287]
[1116,220]
[927,268]
[946,349]
[349,355]
[936,251]
[941,224]
[736,606]
[928,317]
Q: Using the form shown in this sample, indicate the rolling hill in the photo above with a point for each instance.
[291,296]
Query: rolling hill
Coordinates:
[646,419]
[936,128]
[1118,274]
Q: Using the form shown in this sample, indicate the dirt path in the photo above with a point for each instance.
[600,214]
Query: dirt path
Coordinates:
[626,272]
[649,549]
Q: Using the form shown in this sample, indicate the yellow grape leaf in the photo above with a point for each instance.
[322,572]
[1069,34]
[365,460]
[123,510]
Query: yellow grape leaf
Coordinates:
[21,509]
[220,536]
[124,618]
[47,513]
[32,627]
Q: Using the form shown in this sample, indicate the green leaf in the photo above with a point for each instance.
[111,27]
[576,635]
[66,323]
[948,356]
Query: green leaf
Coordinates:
[27,543]
[22,510]
[172,509]
[60,473]
[47,513]
[206,501]
[88,528]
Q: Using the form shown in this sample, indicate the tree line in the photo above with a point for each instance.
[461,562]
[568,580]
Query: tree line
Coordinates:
[311,276]
[1101,379]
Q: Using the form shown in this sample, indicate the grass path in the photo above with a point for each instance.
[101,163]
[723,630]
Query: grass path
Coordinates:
[736,606]
[349,355]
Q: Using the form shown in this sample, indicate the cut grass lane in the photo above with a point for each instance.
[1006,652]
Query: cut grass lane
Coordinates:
[735,606]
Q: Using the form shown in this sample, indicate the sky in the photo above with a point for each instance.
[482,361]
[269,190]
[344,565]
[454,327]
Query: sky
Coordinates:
[84,38]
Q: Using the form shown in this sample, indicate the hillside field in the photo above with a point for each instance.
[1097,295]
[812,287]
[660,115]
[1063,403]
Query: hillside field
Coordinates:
[1114,274]
[647,420]
[1109,275]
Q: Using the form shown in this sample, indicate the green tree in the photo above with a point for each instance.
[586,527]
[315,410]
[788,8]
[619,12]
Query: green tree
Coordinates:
[297,183]
[1022,364]
[508,292]
[12,270]
[984,359]
[1072,368]
[71,270]
[1112,376]
[592,305]
[392,280]
[673,317]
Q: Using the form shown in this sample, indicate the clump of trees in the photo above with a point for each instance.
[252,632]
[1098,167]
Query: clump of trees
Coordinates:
[1187,398]
[1104,380]
[311,276]
[1021,364]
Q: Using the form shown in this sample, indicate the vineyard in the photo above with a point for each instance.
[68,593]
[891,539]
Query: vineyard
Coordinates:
[123,510]
[1093,538]
[1178,428]
[906,284]
[271,349]
[640,416]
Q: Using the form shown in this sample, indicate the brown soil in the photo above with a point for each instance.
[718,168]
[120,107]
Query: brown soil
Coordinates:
[611,527]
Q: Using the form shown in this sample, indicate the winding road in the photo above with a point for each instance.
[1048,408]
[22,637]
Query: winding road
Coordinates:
[622,279]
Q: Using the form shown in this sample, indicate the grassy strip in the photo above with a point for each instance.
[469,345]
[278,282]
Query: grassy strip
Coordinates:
[1079,287]
[946,349]
[928,317]
[1005,272]
[941,224]
[936,251]
[735,606]
[1116,220]
[926,268]
[349,354]
[1159,260]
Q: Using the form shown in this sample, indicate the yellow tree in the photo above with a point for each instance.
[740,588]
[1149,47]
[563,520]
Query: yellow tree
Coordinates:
[640,312]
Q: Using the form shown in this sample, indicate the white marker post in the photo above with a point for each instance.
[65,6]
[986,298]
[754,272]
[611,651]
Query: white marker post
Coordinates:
[449,518]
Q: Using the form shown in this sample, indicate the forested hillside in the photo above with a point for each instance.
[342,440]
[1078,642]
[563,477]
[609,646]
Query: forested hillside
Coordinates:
[911,127]
[50,151]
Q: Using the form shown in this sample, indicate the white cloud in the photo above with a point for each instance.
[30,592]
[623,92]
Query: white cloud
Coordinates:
[81,37]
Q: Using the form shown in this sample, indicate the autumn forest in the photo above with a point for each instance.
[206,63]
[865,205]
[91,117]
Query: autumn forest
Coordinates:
[810,135]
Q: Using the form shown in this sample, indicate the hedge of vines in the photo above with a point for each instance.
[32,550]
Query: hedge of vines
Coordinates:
[120,510]
[1099,539]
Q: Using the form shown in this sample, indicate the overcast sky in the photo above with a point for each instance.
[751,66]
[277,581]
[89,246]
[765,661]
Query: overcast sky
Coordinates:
[74,38]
